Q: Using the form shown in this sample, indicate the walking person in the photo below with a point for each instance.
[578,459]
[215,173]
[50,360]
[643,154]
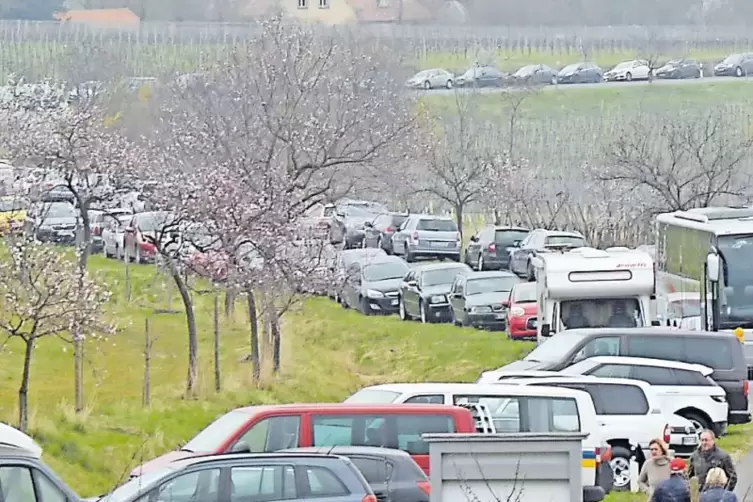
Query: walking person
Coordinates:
[715,487]
[708,456]
[655,469]
[676,488]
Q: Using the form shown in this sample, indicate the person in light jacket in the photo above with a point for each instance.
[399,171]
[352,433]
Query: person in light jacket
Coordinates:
[655,469]
[676,488]
[715,487]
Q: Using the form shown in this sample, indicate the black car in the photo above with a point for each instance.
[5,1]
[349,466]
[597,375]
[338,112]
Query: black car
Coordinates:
[424,291]
[580,73]
[490,248]
[392,474]
[720,351]
[378,233]
[480,299]
[349,222]
[679,69]
[55,222]
[342,262]
[735,65]
[372,286]
[23,474]
[481,76]
[535,74]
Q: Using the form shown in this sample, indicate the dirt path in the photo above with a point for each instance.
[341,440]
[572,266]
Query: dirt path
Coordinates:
[745,478]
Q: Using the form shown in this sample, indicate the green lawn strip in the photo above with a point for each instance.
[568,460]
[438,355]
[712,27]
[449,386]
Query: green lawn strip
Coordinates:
[513,59]
[328,353]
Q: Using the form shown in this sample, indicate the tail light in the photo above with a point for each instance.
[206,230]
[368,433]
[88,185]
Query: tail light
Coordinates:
[667,435]
[425,487]
[603,455]
[369,498]
[492,248]
[96,231]
[389,230]
[414,236]
[745,388]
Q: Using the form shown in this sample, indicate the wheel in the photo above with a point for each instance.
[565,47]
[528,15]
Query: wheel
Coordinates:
[427,85]
[699,422]
[402,312]
[738,72]
[408,255]
[620,464]
[422,309]
[629,77]
[363,306]
[530,272]
[449,84]
[480,264]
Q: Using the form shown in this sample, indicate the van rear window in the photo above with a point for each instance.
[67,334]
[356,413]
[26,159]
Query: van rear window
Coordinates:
[716,354]
[401,432]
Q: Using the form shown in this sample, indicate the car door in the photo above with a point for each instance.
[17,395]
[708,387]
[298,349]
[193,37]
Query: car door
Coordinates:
[520,255]
[408,292]
[664,381]
[472,251]
[372,231]
[352,285]
[399,237]
[457,301]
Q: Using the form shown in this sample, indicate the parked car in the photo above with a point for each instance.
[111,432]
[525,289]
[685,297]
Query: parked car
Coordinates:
[13,214]
[349,221]
[737,65]
[144,231]
[99,219]
[481,76]
[248,477]
[479,299]
[580,73]
[540,241]
[24,477]
[490,248]
[343,260]
[10,437]
[680,69]
[636,69]
[392,474]
[319,218]
[427,236]
[270,428]
[113,232]
[522,311]
[424,291]
[55,222]
[379,232]
[436,78]
[372,286]
[535,74]
[721,351]
[684,389]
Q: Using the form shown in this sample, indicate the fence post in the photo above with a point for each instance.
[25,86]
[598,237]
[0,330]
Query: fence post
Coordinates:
[146,397]
[217,380]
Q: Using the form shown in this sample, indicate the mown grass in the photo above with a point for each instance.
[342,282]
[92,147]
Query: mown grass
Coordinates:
[513,59]
[328,353]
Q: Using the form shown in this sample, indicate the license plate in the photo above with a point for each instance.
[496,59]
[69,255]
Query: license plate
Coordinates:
[690,441]
[440,244]
[65,234]
[394,302]
[500,316]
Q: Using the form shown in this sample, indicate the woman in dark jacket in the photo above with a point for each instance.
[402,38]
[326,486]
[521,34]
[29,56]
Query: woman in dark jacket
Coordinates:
[715,487]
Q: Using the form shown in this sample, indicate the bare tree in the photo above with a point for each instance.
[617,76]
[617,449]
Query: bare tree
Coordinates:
[681,162]
[44,296]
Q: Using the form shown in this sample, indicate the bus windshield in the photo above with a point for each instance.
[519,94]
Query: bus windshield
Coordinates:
[737,295]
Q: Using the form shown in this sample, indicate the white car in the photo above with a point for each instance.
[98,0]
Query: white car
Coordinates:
[14,438]
[496,376]
[630,414]
[637,69]
[684,389]
[112,235]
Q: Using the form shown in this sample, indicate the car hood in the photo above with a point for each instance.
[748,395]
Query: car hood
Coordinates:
[668,68]
[59,221]
[388,285]
[523,365]
[487,298]
[528,308]
[440,289]
[162,461]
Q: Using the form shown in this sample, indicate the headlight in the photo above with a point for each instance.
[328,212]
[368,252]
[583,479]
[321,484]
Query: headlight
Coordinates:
[438,299]
[481,310]
[373,293]
[517,312]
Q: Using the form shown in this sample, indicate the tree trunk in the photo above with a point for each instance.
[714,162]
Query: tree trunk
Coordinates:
[23,390]
[146,397]
[217,380]
[229,301]
[459,213]
[253,319]
[193,341]
[275,332]
[78,369]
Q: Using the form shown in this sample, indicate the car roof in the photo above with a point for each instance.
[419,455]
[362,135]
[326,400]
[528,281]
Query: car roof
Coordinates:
[350,450]
[219,457]
[577,379]
[439,266]
[509,227]
[13,451]
[456,388]
[645,361]
[433,217]
[524,285]
[563,233]
[424,409]
[490,273]
[652,330]
[379,259]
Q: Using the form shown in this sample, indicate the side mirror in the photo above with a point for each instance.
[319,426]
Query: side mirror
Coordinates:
[412,284]
[516,244]
[129,230]
[368,224]
[240,448]
[506,303]
[546,330]
[655,323]
[457,295]
[474,238]
[712,266]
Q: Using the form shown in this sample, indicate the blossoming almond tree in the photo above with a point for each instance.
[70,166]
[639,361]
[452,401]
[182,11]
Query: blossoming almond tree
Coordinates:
[42,295]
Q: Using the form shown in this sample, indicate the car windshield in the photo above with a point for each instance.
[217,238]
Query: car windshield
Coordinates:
[363,211]
[625,64]
[59,210]
[440,276]
[565,240]
[555,347]
[526,70]
[216,433]
[524,293]
[491,285]
[152,223]
[601,313]
[685,308]
[354,255]
[137,485]
[571,67]
[508,237]
[734,58]
[373,396]
[398,219]
[437,225]
[385,271]
[422,74]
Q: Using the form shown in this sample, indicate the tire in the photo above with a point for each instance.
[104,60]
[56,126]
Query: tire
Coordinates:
[699,421]
[422,308]
[738,71]
[449,84]
[363,306]
[402,313]
[620,464]
[427,85]
[480,262]
[408,256]
[530,272]
[628,77]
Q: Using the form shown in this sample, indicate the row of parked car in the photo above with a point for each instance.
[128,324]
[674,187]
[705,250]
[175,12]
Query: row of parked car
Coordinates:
[621,387]
[487,75]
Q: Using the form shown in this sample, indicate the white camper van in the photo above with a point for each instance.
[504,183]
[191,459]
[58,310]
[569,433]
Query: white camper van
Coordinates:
[593,288]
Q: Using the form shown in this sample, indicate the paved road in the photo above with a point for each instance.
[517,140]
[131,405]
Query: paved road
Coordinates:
[564,87]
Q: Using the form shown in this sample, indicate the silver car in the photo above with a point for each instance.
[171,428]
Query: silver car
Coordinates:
[431,79]
[427,236]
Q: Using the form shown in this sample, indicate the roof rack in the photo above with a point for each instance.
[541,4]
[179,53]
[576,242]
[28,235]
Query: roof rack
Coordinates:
[482,416]
[707,214]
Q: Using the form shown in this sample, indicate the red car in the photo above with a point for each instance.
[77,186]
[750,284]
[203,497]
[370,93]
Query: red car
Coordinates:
[265,429]
[522,312]
[140,234]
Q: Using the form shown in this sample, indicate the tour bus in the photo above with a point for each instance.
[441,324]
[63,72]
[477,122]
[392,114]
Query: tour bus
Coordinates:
[593,288]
